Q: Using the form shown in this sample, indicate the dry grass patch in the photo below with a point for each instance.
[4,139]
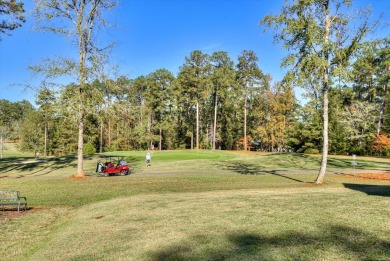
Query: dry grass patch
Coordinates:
[25,232]
[378,176]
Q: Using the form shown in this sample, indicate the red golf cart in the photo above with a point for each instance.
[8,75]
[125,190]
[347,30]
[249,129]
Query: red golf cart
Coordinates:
[110,168]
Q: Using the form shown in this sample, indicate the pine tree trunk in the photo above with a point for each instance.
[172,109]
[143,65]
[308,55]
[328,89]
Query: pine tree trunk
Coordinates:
[101,138]
[80,168]
[245,145]
[215,121]
[45,149]
[197,125]
[160,142]
[109,132]
[2,146]
[381,113]
[321,174]
[82,72]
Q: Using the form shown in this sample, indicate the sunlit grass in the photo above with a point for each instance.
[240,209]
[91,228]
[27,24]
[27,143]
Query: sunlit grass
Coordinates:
[196,206]
[306,223]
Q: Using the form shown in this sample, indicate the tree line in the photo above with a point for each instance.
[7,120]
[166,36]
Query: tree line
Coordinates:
[205,106]
[202,107]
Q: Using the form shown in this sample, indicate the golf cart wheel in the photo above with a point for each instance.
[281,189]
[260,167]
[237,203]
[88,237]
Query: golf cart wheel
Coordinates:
[123,172]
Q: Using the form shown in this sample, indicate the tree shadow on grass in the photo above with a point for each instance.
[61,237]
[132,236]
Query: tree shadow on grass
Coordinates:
[253,169]
[244,168]
[295,160]
[346,242]
[361,164]
[307,162]
[371,190]
[29,166]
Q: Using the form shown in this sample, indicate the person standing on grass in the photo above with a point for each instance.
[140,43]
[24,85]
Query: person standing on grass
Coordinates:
[148,159]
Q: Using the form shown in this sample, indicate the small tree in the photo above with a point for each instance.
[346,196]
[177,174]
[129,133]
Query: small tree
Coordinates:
[46,100]
[381,143]
[4,135]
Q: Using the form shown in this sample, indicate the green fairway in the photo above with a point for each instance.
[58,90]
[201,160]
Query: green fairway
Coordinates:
[196,206]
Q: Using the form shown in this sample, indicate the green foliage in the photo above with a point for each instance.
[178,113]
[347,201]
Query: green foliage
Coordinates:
[311,151]
[12,15]
[31,133]
[89,148]
[131,114]
[321,45]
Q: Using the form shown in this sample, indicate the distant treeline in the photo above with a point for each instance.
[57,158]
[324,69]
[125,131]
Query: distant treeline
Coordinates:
[212,103]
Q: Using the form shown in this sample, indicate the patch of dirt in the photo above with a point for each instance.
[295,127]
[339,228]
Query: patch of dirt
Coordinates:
[78,177]
[11,213]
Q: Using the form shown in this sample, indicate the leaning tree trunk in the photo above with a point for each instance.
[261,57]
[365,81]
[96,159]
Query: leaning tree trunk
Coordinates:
[321,174]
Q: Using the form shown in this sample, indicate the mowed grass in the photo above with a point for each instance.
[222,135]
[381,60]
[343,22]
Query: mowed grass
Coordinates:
[196,206]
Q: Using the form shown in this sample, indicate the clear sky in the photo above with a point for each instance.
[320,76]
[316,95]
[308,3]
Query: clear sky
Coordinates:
[153,34]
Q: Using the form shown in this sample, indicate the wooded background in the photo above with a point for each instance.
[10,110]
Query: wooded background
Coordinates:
[160,109]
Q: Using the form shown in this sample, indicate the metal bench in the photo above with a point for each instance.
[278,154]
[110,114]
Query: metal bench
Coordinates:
[12,198]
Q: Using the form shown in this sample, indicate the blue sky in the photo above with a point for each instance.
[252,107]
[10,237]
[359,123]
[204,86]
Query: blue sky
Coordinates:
[153,34]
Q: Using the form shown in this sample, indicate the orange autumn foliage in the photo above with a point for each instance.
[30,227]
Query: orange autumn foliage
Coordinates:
[241,142]
[381,142]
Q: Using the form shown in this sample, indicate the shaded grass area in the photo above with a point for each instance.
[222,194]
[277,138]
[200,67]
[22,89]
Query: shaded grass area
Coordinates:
[19,167]
[297,161]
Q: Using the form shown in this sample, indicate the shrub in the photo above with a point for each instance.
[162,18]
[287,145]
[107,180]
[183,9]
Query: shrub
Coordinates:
[311,151]
[89,148]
